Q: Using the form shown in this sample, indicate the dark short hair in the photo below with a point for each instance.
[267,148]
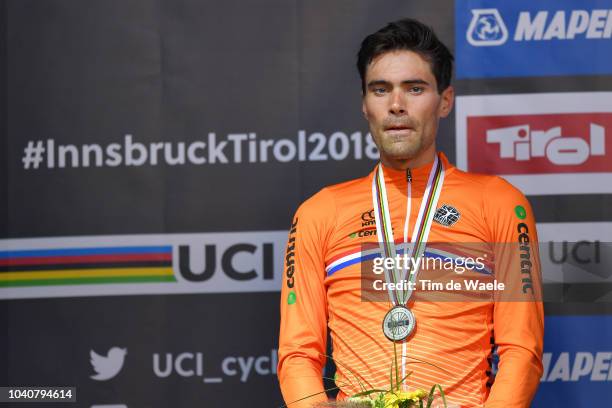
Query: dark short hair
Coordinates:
[411,35]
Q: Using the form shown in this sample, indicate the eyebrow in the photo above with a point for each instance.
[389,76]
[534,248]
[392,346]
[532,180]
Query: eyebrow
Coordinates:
[376,82]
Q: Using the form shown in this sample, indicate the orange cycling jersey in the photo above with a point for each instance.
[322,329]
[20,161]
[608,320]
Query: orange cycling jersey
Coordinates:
[322,289]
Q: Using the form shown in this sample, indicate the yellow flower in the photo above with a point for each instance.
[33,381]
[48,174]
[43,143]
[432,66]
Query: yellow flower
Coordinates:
[393,400]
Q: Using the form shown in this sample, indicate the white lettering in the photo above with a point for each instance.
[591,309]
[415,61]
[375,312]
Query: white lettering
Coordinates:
[237,139]
[561,370]
[114,158]
[378,269]
[130,147]
[259,362]
[74,155]
[290,150]
[556,28]
[191,153]
[601,367]
[245,367]
[162,373]
[87,149]
[578,23]
[263,149]
[180,156]
[154,149]
[597,24]
[215,152]
[567,151]
[583,364]
[546,357]
[608,30]
[178,365]
[527,30]
[225,366]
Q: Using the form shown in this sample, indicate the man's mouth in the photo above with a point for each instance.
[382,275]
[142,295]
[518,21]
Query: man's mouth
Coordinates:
[398,130]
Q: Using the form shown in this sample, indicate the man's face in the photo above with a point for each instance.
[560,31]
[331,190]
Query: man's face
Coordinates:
[403,107]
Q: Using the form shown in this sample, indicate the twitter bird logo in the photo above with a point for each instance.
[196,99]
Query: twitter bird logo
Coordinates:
[109,366]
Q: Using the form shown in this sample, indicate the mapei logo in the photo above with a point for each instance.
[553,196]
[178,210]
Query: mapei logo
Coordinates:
[529,38]
[107,367]
[486,28]
[542,143]
[582,365]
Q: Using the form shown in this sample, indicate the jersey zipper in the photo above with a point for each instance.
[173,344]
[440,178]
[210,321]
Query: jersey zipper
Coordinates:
[406,222]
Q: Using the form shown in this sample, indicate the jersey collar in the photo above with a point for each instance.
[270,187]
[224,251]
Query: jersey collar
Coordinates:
[419,174]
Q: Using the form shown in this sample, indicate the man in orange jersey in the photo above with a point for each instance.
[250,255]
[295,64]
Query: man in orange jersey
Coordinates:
[415,198]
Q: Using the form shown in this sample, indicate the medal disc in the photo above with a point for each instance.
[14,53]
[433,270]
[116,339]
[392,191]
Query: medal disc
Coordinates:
[399,323]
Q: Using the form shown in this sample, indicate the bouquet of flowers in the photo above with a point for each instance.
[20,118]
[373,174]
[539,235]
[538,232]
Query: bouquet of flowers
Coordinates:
[393,397]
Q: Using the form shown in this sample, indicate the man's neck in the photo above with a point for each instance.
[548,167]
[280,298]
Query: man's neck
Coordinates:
[422,159]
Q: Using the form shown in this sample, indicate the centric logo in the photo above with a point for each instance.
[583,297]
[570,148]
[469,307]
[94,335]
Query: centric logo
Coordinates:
[486,28]
[398,323]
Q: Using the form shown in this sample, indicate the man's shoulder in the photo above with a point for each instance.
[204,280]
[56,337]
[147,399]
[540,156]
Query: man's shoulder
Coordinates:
[327,200]
[489,185]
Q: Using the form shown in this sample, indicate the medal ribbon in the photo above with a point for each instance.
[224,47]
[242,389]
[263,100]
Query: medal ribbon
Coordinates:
[421,227]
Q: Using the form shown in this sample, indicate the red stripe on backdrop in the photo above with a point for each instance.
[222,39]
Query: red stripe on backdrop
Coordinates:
[45,260]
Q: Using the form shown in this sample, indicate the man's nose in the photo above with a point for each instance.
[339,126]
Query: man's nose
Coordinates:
[398,104]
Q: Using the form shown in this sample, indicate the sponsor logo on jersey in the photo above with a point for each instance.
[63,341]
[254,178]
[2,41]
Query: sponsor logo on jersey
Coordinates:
[563,139]
[525,255]
[446,215]
[526,38]
[290,255]
[365,232]
[520,212]
[368,224]
[524,249]
[367,218]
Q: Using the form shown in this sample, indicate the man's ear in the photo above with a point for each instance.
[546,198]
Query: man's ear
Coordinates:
[364,109]
[446,105]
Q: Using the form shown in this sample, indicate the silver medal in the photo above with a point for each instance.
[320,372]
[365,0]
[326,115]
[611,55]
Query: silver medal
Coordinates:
[399,323]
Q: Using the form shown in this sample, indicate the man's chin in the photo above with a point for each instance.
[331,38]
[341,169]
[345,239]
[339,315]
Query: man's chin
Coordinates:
[403,155]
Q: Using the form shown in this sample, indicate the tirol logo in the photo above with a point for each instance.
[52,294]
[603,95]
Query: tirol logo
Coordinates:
[527,144]
[544,143]
[107,367]
[521,143]
[446,215]
[486,28]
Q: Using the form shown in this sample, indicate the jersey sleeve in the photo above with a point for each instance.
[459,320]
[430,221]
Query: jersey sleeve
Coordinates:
[303,327]
[518,317]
